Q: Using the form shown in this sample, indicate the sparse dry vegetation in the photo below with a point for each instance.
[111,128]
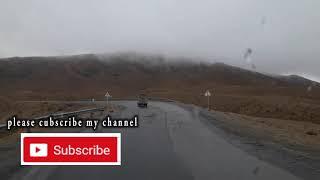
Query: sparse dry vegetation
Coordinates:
[126,75]
[37,109]
[291,133]
[5,107]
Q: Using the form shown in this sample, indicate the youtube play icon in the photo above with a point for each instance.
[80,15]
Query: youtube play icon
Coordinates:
[38,150]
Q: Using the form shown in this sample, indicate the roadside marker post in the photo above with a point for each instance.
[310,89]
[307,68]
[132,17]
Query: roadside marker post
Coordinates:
[107,96]
[208,94]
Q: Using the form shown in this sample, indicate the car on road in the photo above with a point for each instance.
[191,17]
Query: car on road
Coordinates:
[142,101]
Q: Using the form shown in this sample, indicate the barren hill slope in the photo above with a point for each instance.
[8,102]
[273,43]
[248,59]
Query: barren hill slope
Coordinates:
[126,75]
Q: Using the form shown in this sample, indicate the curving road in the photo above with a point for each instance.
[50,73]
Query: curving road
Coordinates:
[172,142]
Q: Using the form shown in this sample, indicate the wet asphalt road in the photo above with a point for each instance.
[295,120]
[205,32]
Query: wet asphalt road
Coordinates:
[171,143]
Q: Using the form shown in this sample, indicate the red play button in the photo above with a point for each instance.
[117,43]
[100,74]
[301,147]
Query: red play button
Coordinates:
[37,149]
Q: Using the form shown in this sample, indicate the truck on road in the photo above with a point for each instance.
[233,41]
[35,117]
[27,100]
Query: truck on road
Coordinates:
[142,101]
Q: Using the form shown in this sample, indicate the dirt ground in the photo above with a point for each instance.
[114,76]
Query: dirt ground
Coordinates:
[295,134]
[285,119]
[36,109]
[237,100]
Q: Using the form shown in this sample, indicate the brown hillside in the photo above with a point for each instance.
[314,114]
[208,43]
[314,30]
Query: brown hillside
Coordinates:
[125,75]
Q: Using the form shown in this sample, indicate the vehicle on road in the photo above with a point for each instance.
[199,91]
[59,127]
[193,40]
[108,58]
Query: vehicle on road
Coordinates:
[142,101]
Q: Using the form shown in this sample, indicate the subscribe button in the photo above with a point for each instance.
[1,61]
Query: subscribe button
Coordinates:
[70,149]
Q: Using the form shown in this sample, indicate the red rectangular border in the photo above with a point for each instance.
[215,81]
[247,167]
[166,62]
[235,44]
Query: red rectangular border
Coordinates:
[56,136]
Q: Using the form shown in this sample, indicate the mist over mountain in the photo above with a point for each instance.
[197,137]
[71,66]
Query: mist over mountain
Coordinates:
[91,67]
[87,76]
[232,80]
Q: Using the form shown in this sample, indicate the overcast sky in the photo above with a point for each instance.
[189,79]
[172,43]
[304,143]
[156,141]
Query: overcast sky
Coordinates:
[283,34]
